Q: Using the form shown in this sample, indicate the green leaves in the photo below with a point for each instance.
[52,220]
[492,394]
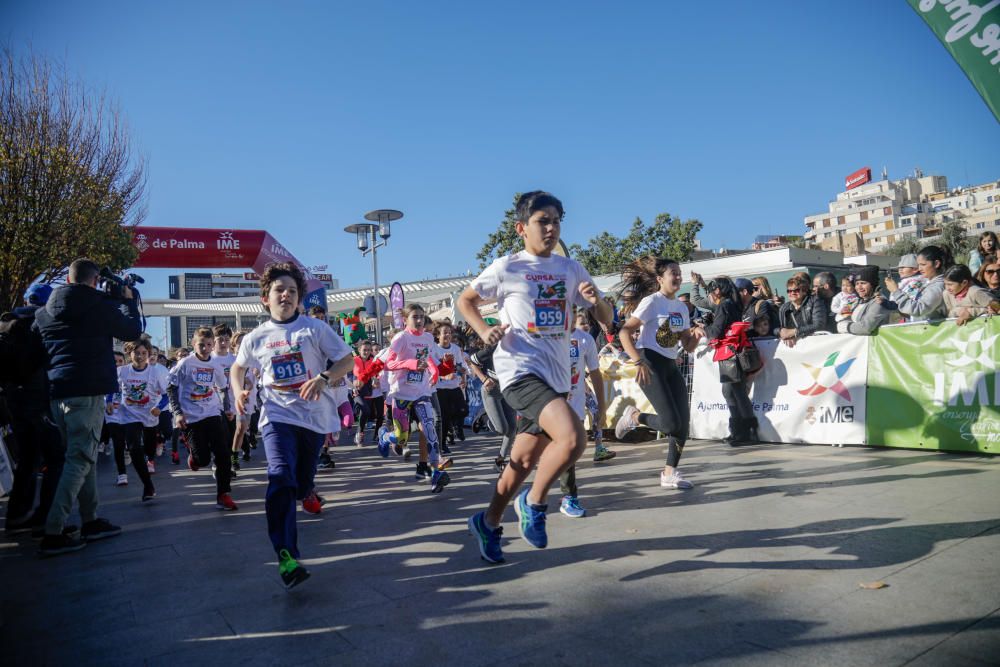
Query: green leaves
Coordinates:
[666,237]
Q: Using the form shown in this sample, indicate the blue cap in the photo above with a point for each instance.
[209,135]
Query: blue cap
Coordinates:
[38,294]
[743,284]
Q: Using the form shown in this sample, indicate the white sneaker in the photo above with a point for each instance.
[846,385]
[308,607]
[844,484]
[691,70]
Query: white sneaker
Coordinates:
[628,421]
[122,480]
[674,481]
[359,438]
[159,449]
[151,467]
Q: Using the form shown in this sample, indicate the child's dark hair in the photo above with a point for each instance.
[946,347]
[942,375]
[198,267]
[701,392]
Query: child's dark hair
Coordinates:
[221,330]
[639,279]
[132,345]
[276,270]
[411,308]
[317,310]
[536,200]
[439,326]
[958,273]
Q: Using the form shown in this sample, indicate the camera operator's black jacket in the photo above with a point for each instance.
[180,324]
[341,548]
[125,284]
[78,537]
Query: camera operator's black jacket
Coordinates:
[77,327]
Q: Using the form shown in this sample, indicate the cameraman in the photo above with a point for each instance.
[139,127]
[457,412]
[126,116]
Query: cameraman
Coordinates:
[77,327]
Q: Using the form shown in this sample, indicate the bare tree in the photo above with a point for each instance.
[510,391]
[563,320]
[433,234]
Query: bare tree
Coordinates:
[70,183]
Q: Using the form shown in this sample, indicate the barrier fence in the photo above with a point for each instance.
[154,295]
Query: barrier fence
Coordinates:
[918,386]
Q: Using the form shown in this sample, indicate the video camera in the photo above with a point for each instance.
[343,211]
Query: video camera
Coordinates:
[114,286]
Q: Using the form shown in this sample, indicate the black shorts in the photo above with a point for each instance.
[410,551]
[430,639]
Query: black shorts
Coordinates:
[528,396]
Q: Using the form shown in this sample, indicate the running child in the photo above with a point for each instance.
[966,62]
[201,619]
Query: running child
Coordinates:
[298,358]
[535,291]
[195,406]
[412,374]
[243,420]
[222,355]
[661,322]
[142,385]
[113,426]
[452,363]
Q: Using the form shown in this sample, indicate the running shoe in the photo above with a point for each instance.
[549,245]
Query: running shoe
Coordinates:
[99,529]
[674,480]
[234,461]
[531,521]
[359,438]
[487,540]
[570,506]
[423,473]
[439,480]
[445,463]
[191,464]
[628,421]
[325,461]
[122,480]
[291,571]
[175,458]
[151,467]
[407,452]
[225,502]
[603,454]
[499,463]
[148,494]
[53,545]
[311,504]
[383,444]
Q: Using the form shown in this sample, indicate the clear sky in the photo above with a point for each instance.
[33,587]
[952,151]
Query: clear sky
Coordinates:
[297,117]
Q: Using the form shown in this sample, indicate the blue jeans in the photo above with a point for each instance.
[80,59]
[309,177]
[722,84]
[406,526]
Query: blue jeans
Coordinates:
[292,455]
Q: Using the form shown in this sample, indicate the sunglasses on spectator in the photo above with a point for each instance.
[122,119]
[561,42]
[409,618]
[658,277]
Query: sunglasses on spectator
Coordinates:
[793,290]
[991,271]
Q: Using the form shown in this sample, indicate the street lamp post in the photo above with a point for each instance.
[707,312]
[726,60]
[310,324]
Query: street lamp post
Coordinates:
[367,234]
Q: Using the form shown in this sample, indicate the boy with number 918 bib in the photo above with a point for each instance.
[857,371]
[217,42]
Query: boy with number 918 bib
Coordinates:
[535,291]
[298,357]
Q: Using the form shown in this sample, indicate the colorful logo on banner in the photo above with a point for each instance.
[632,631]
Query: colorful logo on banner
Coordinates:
[828,377]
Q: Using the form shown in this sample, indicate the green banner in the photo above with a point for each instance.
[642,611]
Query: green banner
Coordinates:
[936,386]
[970,30]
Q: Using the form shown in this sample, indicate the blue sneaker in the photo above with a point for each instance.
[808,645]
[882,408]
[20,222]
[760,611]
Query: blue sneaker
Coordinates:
[383,442]
[531,521]
[439,480]
[487,540]
[570,506]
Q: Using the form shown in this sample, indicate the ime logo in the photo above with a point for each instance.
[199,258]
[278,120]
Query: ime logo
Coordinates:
[227,242]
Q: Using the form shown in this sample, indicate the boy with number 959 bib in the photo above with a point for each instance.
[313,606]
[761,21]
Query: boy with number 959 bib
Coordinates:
[535,291]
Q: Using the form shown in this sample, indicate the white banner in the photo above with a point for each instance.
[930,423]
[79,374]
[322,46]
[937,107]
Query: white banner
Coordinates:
[813,392]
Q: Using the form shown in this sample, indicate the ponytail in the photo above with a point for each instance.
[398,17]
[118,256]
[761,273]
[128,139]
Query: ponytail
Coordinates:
[639,281]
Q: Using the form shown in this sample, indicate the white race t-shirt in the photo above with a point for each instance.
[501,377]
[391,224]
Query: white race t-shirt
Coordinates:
[288,355]
[535,297]
[141,391]
[225,362]
[404,384]
[668,317]
[458,358]
[582,360]
[114,401]
[196,383]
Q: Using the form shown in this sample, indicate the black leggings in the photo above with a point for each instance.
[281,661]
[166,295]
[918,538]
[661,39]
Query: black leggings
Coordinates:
[369,409]
[206,439]
[667,393]
[453,409]
[141,443]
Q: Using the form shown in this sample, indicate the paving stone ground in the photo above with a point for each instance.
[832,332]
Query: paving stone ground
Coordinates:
[760,564]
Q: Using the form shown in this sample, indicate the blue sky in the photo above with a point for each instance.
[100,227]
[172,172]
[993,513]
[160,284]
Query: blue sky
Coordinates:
[297,117]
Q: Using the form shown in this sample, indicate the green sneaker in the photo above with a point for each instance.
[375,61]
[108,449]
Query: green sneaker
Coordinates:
[292,573]
[603,454]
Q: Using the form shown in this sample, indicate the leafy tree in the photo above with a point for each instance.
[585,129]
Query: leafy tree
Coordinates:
[908,245]
[954,236]
[504,240]
[70,185]
[666,237]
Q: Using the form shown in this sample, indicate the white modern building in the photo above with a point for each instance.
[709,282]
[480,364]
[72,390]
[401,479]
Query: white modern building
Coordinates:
[883,212]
